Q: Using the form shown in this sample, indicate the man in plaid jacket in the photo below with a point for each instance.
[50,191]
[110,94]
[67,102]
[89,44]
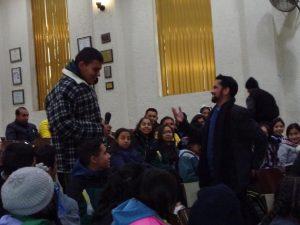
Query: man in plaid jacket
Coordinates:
[72,109]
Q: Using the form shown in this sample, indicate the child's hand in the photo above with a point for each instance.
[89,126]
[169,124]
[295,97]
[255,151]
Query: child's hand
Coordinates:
[178,115]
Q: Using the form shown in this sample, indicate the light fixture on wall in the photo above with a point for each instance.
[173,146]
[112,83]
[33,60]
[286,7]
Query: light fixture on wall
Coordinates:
[100,6]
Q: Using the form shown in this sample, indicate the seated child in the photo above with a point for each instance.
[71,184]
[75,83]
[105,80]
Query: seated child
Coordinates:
[188,161]
[122,152]
[68,211]
[89,174]
[28,196]
[155,199]
[121,186]
[288,149]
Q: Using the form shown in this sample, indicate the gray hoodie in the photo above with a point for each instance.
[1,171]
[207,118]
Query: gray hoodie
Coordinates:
[287,153]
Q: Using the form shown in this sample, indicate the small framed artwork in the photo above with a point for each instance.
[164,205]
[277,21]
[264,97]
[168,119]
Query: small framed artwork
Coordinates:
[16,75]
[107,72]
[109,85]
[18,97]
[84,42]
[105,38]
[15,55]
[107,56]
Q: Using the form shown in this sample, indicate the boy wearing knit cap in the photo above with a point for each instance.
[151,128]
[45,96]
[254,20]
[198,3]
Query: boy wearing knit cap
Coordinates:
[89,175]
[28,196]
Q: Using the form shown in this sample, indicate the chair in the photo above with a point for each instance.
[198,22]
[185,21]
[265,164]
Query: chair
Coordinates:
[268,180]
[191,190]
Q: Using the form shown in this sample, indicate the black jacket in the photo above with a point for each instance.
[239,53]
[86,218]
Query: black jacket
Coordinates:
[21,132]
[83,178]
[145,145]
[262,106]
[239,146]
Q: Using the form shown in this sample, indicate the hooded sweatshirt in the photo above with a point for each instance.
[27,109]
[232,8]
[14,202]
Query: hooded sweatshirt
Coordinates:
[287,153]
[135,212]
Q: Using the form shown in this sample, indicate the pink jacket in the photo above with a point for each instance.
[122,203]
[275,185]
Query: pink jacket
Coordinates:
[149,221]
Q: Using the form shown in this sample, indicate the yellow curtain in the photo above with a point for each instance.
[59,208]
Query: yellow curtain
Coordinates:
[186,45]
[52,46]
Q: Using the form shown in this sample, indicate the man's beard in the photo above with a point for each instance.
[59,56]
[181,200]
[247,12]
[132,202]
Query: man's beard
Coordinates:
[214,99]
[96,81]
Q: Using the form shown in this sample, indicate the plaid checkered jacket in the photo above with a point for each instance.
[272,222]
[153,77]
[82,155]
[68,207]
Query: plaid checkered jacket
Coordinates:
[74,116]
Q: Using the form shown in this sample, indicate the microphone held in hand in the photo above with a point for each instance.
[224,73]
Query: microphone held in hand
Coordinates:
[107,118]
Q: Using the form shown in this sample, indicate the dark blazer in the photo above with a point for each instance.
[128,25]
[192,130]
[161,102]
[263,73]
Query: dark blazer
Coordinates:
[239,146]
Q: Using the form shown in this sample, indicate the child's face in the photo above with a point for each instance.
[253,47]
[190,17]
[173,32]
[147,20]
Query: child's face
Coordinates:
[278,128]
[294,136]
[205,113]
[167,134]
[124,140]
[195,148]
[102,161]
[152,116]
[200,120]
[170,123]
[145,126]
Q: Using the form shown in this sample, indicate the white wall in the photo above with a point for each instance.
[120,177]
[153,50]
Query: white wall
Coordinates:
[2,91]
[249,41]
[16,32]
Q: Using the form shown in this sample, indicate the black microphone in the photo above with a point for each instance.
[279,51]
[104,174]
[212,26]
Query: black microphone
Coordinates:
[107,118]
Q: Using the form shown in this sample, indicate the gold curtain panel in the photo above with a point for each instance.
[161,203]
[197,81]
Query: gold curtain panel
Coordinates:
[185,45]
[52,46]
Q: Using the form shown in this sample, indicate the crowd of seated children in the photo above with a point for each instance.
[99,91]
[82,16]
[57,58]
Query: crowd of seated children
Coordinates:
[138,180]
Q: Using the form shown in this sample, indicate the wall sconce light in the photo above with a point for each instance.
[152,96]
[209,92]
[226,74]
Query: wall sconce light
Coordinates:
[100,6]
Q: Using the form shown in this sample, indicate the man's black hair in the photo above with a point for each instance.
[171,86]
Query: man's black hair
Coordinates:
[46,154]
[18,110]
[228,82]
[88,149]
[87,55]
[151,110]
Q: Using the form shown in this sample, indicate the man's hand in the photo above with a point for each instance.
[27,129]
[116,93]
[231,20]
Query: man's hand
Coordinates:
[178,115]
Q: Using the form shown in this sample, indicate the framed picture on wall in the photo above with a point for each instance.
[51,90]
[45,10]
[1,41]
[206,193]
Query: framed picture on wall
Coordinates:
[18,97]
[105,38]
[107,56]
[15,55]
[107,72]
[16,75]
[84,42]
[109,86]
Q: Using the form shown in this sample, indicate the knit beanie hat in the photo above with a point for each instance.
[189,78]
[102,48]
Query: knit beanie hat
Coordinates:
[27,191]
[251,83]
